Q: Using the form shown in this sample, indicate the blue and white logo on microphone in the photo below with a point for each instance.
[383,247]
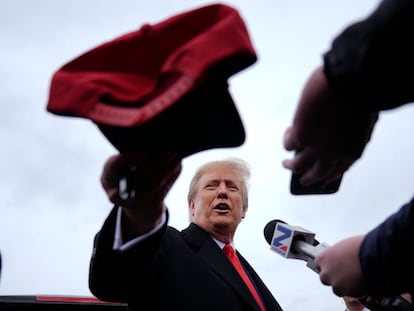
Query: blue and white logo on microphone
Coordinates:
[282,239]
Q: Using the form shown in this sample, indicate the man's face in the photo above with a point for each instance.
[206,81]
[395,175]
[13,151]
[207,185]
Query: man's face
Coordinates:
[217,205]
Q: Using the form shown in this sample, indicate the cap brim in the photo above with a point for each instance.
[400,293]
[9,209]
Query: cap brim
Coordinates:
[205,118]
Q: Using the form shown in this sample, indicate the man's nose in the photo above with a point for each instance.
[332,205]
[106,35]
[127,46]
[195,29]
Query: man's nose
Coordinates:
[222,192]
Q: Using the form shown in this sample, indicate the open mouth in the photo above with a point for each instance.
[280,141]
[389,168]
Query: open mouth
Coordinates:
[222,207]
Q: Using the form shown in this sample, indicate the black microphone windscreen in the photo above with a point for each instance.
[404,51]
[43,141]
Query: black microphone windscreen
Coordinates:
[269,229]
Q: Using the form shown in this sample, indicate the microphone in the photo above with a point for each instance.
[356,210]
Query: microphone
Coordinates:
[293,242]
[298,243]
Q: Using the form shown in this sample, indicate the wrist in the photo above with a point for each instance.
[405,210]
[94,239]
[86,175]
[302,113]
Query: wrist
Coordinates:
[136,222]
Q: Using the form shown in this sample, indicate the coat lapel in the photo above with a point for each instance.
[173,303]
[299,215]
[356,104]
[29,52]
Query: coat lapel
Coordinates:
[214,257]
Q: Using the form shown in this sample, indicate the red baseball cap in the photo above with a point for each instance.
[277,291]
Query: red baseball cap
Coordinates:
[164,86]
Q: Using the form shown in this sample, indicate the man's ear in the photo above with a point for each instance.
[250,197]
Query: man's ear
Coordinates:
[243,215]
[191,209]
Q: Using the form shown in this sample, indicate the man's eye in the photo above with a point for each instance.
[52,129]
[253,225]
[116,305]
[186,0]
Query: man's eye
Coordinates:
[232,186]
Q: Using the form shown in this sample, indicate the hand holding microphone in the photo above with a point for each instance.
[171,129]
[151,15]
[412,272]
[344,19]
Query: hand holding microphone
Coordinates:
[337,265]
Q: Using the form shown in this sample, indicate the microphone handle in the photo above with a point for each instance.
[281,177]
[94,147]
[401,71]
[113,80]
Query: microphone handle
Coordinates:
[311,251]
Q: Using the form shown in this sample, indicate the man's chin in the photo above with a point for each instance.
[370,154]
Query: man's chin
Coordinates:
[223,221]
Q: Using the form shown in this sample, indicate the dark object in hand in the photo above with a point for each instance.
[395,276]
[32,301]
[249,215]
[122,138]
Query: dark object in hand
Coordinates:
[319,188]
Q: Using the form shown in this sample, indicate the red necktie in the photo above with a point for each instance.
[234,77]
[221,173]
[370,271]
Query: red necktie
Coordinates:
[231,254]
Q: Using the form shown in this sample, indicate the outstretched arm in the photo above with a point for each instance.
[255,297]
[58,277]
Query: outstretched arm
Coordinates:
[150,177]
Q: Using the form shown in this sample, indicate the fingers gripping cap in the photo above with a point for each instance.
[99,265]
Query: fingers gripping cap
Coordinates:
[162,85]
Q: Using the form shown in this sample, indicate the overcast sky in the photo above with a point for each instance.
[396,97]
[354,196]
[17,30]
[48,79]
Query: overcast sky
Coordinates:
[53,204]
